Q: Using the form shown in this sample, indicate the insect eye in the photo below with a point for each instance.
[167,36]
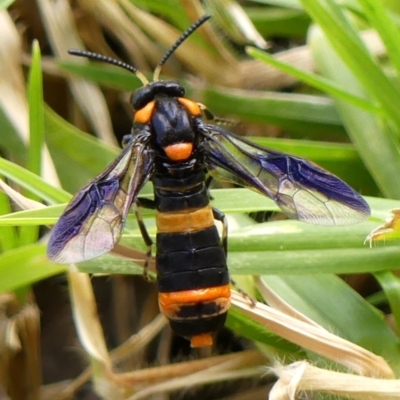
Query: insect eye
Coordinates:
[143,115]
[190,105]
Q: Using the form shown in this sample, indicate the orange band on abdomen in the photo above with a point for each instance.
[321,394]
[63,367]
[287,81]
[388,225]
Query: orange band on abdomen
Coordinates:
[185,220]
[172,303]
[194,296]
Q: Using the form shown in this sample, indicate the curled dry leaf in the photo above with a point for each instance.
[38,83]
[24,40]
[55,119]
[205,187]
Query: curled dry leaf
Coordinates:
[193,373]
[278,303]
[90,331]
[236,22]
[316,339]
[390,230]
[301,377]
[20,355]
[12,89]
[24,202]
[140,384]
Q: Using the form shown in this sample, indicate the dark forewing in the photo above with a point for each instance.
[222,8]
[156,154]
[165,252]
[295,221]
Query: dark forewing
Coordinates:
[302,190]
[93,221]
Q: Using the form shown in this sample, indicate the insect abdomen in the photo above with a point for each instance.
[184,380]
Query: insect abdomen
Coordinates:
[193,279]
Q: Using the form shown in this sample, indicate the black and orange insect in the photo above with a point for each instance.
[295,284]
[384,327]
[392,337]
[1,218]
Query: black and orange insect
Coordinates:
[173,144]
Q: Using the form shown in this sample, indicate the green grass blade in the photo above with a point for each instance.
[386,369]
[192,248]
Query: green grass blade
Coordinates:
[277,21]
[297,112]
[296,4]
[311,262]
[29,234]
[8,234]
[354,54]
[170,9]
[33,183]
[78,156]
[390,284]
[388,31]
[5,4]
[40,216]
[24,266]
[107,76]
[316,81]
[36,119]
[10,139]
[372,138]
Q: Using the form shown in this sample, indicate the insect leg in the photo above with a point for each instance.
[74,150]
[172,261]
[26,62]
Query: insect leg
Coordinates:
[125,140]
[208,184]
[209,116]
[206,112]
[242,292]
[147,240]
[146,203]
[220,216]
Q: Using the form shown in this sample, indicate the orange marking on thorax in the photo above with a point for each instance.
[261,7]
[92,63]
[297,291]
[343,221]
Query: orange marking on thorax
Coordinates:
[143,115]
[179,151]
[190,105]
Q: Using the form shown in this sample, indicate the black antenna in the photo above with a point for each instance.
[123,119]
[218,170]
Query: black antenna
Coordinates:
[140,75]
[109,60]
[181,39]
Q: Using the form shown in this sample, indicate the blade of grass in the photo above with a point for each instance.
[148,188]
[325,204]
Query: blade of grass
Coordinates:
[5,4]
[8,234]
[36,119]
[228,200]
[116,78]
[297,112]
[78,163]
[343,38]
[25,265]
[171,10]
[372,138]
[387,29]
[316,81]
[43,216]
[335,261]
[29,234]
[390,284]
[10,139]
[307,262]
[235,22]
[296,4]
[33,183]
[276,21]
